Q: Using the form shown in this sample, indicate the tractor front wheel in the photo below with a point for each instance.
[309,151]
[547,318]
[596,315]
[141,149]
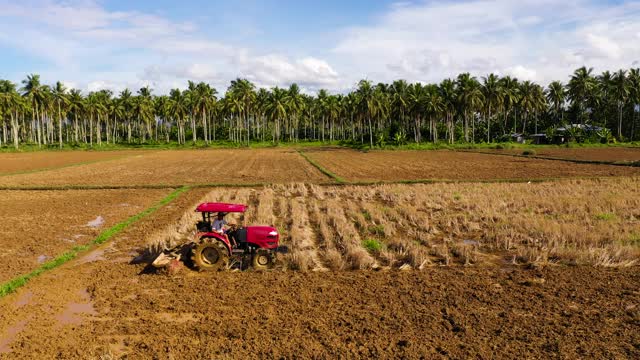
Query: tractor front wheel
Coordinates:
[262,260]
[209,255]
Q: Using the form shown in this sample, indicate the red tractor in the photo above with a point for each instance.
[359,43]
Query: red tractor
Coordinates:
[237,246]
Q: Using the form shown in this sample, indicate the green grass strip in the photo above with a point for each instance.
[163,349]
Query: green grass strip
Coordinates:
[17,282]
[328,173]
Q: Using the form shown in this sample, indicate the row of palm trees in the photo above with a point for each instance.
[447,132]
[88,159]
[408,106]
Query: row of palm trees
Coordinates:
[464,109]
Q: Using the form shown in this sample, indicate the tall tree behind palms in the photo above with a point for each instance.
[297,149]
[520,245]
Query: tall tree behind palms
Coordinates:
[76,106]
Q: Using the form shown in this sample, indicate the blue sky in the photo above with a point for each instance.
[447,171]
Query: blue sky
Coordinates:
[92,44]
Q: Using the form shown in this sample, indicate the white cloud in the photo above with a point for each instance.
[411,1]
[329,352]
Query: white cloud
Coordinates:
[426,41]
[521,72]
[137,49]
[538,40]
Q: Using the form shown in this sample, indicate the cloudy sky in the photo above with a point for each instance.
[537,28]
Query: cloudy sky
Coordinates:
[318,44]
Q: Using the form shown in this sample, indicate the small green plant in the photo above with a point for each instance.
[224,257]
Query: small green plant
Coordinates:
[529,152]
[605,216]
[366,215]
[372,245]
[377,230]
[457,196]
[400,138]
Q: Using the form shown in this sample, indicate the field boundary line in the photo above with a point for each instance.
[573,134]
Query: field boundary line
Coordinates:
[24,172]
[333,183]
[12,285]
[323,170]
[577,161]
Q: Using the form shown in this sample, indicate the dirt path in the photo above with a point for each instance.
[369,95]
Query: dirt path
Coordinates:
[105,306]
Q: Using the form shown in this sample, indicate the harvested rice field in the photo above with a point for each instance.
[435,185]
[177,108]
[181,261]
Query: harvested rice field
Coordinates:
[40,225]
[452,165]
[572,222]
[170,168]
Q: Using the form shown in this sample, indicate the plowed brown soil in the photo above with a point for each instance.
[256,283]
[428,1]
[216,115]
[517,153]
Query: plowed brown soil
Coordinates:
[451,165]
[180,168]
[40,225]
[610,154]
[107,307]
[32,161]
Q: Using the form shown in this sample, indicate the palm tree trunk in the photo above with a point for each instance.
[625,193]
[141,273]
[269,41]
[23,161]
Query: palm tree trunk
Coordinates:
[15,128]
[489,126]
[370,132]
[620,107]
[59,125]
[75,126]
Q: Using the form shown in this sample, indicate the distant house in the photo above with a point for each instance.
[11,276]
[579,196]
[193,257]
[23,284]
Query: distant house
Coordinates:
[539,139]
[563,133]
[519,138]
[585,127]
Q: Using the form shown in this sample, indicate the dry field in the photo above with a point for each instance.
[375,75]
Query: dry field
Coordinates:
[180,168]
[458,270]
[40,225]
[451,165]
[611,154]
[594,222]
[109,309]
[34,161]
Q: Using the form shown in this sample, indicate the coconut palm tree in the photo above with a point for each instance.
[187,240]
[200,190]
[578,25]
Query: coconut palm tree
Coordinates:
[296,107]
[433,106]
[244,91]
[367,105]
[556,96]
[447,92]
[580,87]
[510,95]
[620,90]
[634,96]
[34,92]
[276,109]
[492,95]
[10,103]
[59,97]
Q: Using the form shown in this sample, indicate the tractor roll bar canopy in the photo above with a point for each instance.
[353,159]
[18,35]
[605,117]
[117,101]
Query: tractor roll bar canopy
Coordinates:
[221,207]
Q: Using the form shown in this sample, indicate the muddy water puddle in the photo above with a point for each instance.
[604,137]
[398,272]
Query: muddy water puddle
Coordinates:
[10,335]
[76,311]
[24,299]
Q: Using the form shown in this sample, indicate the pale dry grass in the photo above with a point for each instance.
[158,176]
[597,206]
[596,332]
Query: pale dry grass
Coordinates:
[592,222]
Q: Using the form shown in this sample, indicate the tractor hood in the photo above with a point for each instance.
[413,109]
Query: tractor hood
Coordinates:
[263,236]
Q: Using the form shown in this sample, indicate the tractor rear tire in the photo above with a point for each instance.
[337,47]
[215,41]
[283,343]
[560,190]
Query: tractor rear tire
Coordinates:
[262,260]
[210,255]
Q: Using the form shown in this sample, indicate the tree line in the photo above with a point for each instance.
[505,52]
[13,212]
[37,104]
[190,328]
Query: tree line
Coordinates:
[465,109]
